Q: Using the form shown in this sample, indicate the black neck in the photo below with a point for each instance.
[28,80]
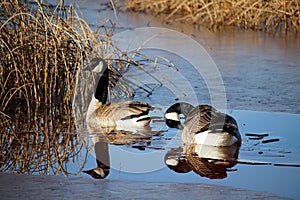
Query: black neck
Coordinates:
[102,154]
[101,92]
[180,108]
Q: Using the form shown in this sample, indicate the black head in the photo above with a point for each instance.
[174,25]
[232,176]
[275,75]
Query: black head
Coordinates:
[102,159]
[173,123]
[97,173]
[176,161]
[173,112]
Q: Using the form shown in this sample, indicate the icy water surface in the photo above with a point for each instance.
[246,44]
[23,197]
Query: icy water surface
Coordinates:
[268,159]
[270,163]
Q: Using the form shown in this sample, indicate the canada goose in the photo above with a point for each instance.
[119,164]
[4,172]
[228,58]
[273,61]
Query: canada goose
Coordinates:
[115,115]
[203,125]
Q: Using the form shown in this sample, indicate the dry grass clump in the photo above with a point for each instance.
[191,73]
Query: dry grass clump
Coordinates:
[268,15]
[41,49]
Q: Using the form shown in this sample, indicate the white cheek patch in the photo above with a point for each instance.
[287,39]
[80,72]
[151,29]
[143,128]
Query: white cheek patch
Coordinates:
[100,172]
[171,162]
[98,68]
[173,116]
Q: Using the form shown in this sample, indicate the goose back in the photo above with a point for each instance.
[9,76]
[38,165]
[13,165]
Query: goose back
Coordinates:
[112,114]
[205,119]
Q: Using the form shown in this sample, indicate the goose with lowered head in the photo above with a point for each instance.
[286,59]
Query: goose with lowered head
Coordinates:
[203,125]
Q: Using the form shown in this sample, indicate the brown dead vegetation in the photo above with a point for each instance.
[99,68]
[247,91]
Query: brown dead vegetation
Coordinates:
[266,15]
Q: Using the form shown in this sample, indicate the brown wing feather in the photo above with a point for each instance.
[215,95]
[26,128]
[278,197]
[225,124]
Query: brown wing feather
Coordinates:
[204,117]
[200,118]
[123,110]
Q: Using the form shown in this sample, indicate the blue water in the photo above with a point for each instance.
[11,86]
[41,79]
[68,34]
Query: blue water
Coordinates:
[279,180]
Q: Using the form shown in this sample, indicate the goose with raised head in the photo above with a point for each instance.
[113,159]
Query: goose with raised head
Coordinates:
[203,125]
[119,115]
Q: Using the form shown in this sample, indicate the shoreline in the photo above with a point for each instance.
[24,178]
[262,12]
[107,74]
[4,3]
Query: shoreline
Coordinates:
[22,186]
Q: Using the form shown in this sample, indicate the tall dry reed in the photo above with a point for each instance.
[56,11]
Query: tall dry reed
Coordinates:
[267,15]
[41,49]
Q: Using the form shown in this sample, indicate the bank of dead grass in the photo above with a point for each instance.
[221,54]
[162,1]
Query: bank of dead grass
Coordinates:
[41,49]
[267,15]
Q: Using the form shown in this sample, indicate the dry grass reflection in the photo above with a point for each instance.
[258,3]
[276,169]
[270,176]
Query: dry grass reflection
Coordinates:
[28,148]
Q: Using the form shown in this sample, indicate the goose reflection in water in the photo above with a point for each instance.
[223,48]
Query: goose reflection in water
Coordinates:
[210,141]
[102,158]
[206,160]
[102,137]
